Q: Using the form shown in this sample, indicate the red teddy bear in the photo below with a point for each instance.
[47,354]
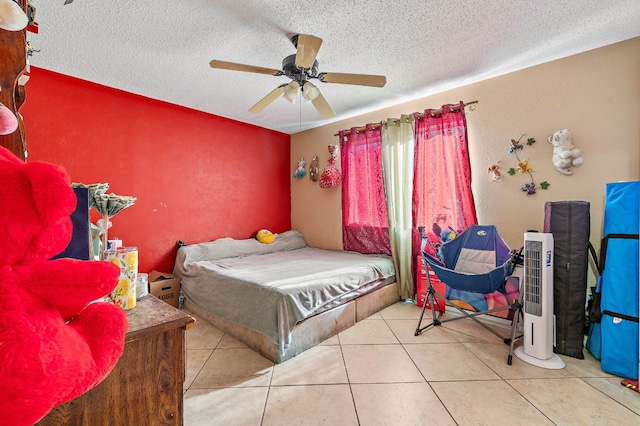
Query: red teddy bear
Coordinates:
[54,343]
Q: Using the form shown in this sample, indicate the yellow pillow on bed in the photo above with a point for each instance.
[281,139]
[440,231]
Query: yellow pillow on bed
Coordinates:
[265,236]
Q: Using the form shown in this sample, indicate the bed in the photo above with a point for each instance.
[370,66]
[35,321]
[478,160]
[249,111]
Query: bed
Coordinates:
[285,297]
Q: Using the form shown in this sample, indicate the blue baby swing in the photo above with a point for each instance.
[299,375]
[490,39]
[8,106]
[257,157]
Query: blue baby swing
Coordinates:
[477,261]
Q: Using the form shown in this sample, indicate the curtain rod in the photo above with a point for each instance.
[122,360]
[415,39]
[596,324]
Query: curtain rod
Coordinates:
[420,116]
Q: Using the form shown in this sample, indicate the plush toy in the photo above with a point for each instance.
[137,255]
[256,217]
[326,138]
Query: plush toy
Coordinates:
[54,344]
[448,234]
[565,154]
[265,236]
[300,171]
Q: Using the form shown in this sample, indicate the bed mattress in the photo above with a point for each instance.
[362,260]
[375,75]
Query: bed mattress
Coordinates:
[273,288]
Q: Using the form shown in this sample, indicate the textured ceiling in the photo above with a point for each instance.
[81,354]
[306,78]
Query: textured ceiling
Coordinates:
[161,48]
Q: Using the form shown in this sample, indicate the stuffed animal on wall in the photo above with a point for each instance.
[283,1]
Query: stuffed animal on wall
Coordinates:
[54,343]
[565,154]
[300,171]
[314,170]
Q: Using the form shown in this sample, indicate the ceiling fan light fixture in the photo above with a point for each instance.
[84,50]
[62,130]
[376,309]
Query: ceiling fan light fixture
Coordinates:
[299,68]
[310,91]
[291,91]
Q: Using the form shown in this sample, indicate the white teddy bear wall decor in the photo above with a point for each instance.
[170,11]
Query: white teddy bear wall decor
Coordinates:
[565,154]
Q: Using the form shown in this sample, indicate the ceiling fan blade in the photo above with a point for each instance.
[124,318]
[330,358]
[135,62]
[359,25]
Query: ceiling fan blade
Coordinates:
[323,107]
[308,47]
[357,79]
[266,101]
[224,65]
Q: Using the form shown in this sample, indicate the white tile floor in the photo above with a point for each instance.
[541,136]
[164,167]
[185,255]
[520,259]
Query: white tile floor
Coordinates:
[379,373]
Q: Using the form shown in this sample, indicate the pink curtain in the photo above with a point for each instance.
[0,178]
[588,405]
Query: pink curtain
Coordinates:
[365,222]
[442,196]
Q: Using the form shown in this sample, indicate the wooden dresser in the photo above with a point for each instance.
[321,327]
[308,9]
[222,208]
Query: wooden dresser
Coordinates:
[145,386]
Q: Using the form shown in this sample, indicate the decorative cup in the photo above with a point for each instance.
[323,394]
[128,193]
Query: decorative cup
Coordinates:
[125,258]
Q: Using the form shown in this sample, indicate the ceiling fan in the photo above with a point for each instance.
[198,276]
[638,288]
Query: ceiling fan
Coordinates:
[301,68]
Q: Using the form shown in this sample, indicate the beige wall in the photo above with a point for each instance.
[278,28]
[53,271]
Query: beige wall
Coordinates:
[594,94]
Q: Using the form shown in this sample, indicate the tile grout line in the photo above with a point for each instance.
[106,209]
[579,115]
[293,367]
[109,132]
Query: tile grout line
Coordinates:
[420,371]
[577,372]
[346,371]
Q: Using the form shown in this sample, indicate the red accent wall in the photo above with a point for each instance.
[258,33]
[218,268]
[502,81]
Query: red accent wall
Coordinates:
[196,176]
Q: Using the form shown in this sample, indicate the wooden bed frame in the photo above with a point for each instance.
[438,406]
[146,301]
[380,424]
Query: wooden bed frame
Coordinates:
[312,330]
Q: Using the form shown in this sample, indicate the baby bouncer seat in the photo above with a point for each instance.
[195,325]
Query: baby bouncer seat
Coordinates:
[477,261]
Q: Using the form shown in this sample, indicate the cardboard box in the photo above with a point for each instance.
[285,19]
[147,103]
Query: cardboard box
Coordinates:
[165,286]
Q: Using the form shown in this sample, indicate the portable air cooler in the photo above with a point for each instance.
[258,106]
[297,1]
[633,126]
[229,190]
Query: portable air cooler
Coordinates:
[538,317]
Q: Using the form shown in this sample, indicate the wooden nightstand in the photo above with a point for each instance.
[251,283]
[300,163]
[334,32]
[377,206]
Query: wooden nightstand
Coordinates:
[145,386]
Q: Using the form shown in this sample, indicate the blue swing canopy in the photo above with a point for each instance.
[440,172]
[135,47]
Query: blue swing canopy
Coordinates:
[478,261]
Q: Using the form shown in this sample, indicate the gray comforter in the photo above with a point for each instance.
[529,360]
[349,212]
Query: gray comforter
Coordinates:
[271,287]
